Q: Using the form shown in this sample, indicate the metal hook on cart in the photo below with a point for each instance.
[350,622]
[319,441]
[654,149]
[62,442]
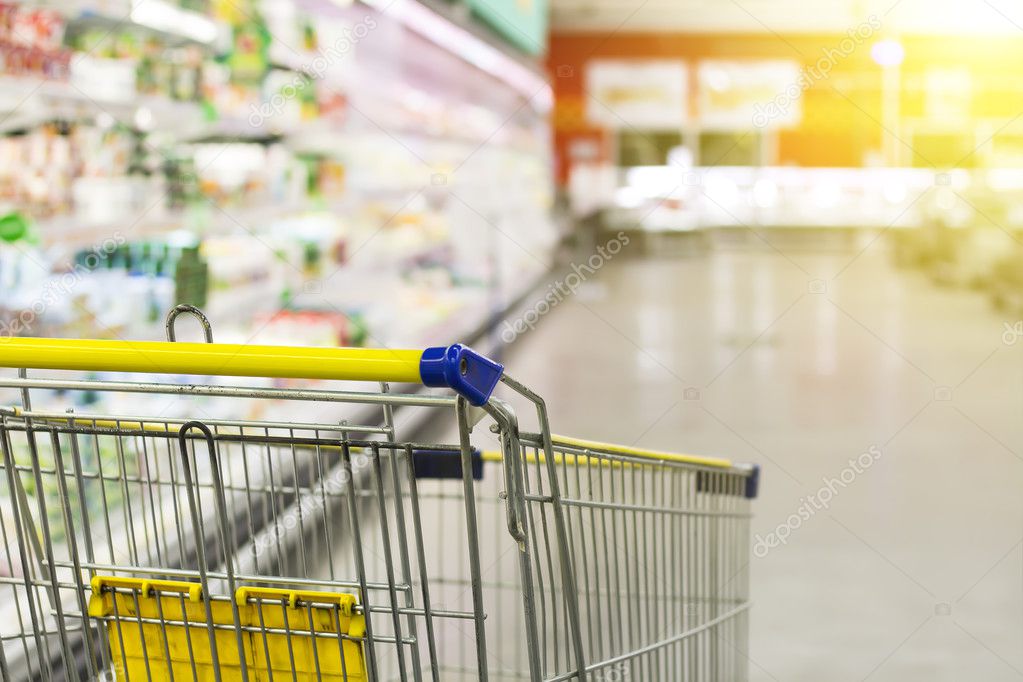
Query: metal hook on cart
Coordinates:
[176,311]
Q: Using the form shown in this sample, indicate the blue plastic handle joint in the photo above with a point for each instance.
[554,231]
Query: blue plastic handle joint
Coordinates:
[753,483]
[445,464]
[462,369]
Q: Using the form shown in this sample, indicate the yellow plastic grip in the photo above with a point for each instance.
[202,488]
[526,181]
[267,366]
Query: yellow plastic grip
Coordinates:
[344,601]
[656,455]
[161,357]
[146,587]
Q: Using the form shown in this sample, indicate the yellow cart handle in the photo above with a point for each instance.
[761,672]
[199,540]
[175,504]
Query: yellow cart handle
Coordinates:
[457,367]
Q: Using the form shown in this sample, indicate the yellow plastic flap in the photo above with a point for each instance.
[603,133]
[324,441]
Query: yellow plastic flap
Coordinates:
[158,635]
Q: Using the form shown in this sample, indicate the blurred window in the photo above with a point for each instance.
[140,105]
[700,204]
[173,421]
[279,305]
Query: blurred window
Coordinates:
[729,149]
[646,148]
[945,150]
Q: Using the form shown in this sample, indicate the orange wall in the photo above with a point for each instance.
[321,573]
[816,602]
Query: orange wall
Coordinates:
[841,115]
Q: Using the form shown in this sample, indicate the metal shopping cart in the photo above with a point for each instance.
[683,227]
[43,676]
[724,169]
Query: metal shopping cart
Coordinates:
[142,547]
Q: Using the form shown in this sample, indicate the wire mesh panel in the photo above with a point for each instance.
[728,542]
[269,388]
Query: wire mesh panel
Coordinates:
[442,503]
[659,557]
[96,499]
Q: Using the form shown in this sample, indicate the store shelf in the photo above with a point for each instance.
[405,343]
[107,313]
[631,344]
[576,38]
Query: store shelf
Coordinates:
[450,27]
[28,101]
[439,256]
[324,137]
[71,232]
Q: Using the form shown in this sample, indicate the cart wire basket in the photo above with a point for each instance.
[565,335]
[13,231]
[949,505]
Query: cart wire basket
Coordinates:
[269,543]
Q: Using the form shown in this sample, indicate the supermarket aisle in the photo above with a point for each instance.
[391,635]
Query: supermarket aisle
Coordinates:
[909,569]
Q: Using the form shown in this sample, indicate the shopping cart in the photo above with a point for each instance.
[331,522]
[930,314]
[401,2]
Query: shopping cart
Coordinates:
[140,547]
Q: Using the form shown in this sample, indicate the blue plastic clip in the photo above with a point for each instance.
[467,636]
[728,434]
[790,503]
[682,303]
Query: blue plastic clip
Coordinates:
[462,369]
[445,464]
[753,483]
[752,487]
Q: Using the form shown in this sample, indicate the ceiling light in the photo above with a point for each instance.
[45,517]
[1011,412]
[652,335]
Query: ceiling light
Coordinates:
[432,26]
[887,52]
[159,15]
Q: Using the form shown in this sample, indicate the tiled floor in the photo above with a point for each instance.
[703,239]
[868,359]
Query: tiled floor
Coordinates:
[801,361]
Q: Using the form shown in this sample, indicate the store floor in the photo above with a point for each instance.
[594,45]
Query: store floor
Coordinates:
[801,362]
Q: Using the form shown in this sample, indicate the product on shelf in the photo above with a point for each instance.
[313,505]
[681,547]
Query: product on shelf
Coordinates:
[31,42]
[314,327]
[57,167]
[249,56]
[191,278]
[121,64]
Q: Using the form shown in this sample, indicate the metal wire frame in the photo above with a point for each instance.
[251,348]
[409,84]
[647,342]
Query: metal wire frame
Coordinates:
[302,506]
[607,565]
[660,560]
[631,567]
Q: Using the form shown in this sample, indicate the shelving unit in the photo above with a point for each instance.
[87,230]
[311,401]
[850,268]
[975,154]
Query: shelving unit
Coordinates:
[431,215]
